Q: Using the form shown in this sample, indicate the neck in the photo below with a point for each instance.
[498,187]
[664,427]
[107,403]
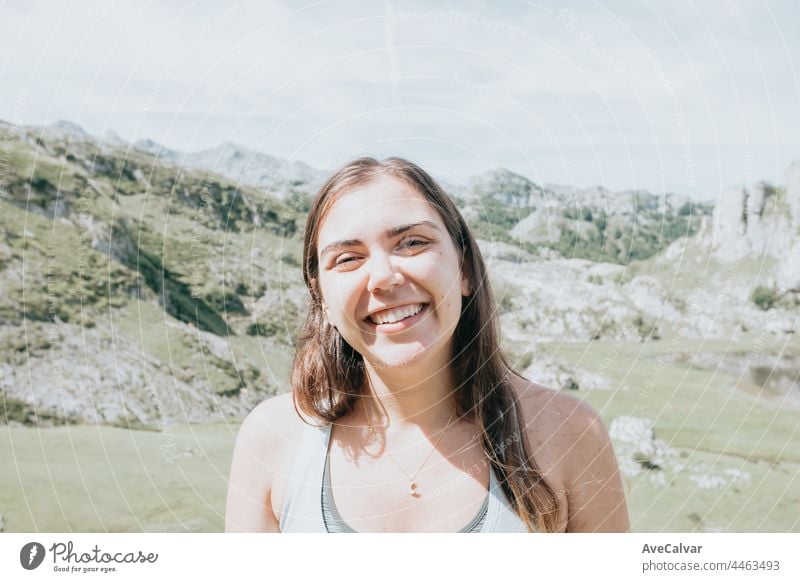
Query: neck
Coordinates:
[396,399]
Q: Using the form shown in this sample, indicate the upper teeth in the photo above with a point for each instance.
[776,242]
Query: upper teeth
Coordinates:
[394,315]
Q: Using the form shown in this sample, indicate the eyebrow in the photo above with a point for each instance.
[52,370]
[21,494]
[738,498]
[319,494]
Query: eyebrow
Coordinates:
[391,233]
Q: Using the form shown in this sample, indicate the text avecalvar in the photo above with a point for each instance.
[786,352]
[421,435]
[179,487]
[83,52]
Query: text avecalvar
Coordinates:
[671,549]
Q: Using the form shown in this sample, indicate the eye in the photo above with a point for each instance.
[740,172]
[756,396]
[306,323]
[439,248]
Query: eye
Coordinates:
[344,259]
[412,242]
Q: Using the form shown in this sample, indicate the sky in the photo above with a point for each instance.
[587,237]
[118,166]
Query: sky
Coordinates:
[680,96]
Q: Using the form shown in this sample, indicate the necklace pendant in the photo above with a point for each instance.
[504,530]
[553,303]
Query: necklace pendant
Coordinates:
[412,488]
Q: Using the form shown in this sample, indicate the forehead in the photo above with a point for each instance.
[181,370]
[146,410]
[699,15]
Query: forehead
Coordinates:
[373,209]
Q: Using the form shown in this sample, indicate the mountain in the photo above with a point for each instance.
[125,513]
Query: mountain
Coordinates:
[163,153]
[138,293]
[279,178]
[139,287]
[590,223]
[509,189]
[65,130]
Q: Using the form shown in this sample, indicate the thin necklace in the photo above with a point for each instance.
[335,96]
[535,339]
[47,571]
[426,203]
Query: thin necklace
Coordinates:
[412,483]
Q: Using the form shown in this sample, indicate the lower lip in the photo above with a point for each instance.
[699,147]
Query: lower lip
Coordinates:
[399,325]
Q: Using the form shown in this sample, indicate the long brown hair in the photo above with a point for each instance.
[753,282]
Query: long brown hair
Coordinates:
[328,375]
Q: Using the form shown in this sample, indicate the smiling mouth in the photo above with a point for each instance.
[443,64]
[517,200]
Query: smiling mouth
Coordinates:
[396,315]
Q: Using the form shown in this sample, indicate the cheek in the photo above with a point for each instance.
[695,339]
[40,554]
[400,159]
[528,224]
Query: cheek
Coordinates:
[340,296]
[446,273]
[454,302]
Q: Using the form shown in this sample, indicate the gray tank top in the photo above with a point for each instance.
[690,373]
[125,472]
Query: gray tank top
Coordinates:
[334,523]
[309,506]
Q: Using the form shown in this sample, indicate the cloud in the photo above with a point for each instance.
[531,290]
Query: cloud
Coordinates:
[560,91]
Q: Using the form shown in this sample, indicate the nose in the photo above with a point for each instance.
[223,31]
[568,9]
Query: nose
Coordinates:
[382,274]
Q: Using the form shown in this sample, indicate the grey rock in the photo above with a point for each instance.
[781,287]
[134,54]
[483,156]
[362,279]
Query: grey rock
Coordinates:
[636,446]
[96,376]
[556,373]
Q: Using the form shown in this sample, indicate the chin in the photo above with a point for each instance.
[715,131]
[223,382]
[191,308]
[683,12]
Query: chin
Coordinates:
[400,358]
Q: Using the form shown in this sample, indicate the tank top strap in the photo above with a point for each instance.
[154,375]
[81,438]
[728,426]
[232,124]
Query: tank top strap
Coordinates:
[302,509]
[500,517]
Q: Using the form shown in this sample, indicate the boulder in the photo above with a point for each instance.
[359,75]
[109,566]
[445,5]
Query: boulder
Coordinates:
[728,227]
[555,373]
[636,445]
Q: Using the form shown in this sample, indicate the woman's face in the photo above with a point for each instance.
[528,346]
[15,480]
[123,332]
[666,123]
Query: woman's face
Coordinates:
[390,275]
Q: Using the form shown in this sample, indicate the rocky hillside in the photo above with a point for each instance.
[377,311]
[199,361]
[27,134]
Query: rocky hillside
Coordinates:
[141,286]
[134,291]
[737,278]
[591,223]
[279,178]
[761,221]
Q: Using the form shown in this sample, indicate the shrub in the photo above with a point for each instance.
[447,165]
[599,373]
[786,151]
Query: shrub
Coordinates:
[764,297]
[648,330]
[525,361]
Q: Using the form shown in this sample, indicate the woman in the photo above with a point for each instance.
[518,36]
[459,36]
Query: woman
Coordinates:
[404,415]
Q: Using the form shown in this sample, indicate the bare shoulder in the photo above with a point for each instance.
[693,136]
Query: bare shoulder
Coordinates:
[571,445]
[261,461]
[554,418]
[272,431]
[275,418]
